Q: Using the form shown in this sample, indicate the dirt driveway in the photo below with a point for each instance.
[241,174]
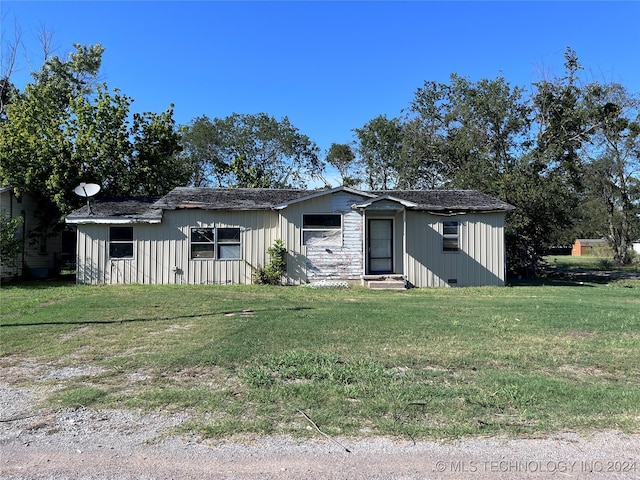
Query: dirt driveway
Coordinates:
[121,444]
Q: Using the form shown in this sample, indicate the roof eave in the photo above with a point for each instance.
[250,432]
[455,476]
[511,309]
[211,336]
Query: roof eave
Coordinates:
[112,220]
[404,203]
[321,193]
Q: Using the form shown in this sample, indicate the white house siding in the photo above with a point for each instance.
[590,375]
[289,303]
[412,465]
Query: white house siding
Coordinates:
[162,251]
[40,256]
[91,247]
[308,263]
[480,260]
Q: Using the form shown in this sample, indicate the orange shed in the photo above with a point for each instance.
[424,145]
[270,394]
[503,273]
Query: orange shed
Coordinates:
[584,246]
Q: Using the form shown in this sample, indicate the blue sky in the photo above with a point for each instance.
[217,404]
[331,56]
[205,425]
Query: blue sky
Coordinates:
[328,66]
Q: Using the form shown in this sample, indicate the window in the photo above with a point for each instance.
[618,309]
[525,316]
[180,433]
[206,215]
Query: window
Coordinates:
[228,243]
[220,243]
[120,242]
[202,243]
[324,229]
[450,237]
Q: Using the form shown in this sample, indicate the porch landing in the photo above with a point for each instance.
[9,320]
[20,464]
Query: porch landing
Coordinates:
[384,282]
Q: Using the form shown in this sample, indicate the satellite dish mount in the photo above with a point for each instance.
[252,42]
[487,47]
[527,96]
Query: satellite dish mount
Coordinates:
[87,190]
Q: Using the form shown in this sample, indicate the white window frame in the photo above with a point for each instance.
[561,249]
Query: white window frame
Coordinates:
[121,242]
[320,229]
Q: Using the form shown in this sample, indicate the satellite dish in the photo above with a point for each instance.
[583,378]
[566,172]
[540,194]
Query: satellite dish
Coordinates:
[87,190]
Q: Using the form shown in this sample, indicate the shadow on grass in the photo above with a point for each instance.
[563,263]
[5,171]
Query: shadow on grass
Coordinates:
[63,281]
[240,313]
[572,277]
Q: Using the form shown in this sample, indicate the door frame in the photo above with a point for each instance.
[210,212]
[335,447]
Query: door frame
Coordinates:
[391,222]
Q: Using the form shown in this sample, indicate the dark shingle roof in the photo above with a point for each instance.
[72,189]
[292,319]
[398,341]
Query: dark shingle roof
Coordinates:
[125,208]
[229,198]
[448,200]
[150,208]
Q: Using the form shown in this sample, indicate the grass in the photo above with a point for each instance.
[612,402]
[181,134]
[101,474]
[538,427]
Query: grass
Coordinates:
[591,262]
[429,363]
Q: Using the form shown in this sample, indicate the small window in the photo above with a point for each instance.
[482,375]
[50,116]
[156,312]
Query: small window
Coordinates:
[202,243]
[450,237]
[120,242]
[324,229]
[228,243]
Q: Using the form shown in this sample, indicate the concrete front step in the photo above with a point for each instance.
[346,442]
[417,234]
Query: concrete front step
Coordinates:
[395,285]
[384,282]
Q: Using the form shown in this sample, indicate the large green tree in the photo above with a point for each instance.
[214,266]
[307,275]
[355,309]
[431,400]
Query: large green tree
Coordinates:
[469,133]
[613,163]
[379,145]
[65,128]
[476,135]
[249,151]
[588,133]
[562,121]
[343,159]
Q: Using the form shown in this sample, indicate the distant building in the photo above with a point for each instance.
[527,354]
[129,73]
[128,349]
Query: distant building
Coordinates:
[585,246]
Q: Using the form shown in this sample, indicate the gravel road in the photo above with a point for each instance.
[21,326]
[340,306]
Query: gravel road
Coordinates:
[123,444]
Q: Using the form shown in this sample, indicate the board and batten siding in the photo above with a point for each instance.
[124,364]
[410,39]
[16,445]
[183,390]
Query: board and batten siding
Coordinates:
[309,263]
[162,251]
[480,260]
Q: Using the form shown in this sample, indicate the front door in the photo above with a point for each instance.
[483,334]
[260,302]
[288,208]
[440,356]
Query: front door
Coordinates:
[380,246]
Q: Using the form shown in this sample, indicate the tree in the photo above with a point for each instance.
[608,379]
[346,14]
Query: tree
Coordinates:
[613,171]
[65,128]
[475,135]
[199,149]
[154,167]
[8,55]
[10,245]
[249,151]
[469,132]
[380,150]
[590,135]
[342,158]
[563,121]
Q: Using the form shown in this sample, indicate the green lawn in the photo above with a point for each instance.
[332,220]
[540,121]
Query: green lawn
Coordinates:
[591,263]
[426,363]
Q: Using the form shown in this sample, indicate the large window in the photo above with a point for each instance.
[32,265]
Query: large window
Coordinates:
[450,237]
[120,242]
[323,229]
[220,243]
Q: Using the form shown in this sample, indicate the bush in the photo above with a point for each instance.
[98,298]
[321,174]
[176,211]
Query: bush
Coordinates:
[10,246]
[272,273]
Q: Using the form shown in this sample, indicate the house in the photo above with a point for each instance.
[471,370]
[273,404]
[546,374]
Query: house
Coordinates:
[586,246]
[42,254]
[429,238]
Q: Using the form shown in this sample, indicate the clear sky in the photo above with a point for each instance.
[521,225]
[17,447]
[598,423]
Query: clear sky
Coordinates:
[329,67]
